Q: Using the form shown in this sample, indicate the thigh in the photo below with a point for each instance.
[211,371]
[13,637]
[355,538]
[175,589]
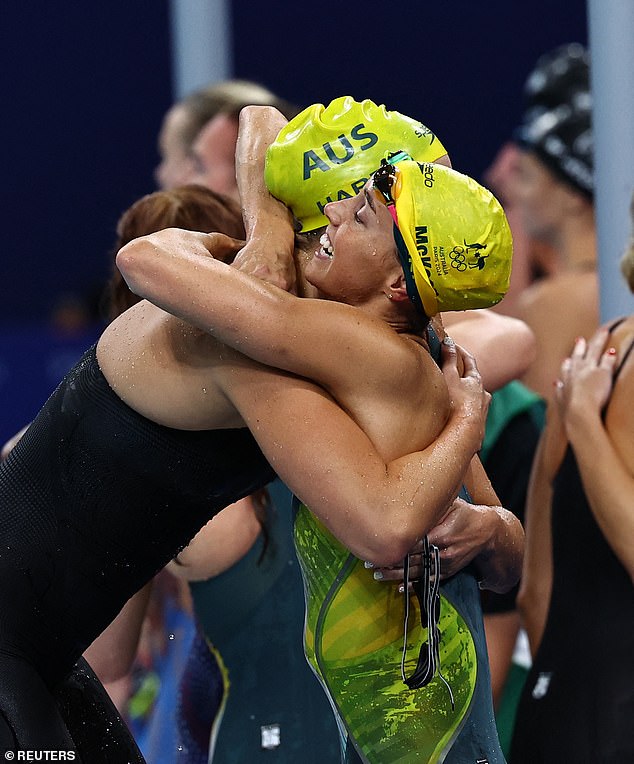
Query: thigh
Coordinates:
[98,731]
[29,717]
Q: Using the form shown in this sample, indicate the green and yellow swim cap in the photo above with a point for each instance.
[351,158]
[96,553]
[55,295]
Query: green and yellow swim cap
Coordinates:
[327,153]
[453,237]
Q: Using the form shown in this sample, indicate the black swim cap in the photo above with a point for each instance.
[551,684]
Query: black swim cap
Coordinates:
[556,75]
[557,123]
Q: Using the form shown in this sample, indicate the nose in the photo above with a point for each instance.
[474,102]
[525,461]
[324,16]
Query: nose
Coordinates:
[159,172]
[334,211]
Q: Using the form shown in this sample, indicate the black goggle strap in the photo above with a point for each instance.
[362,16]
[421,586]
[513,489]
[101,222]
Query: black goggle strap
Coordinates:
[382,181]
[427,591]
[406,265]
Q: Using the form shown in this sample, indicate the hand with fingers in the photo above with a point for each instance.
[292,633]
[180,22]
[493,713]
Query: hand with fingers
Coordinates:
[586,377]
[460,537]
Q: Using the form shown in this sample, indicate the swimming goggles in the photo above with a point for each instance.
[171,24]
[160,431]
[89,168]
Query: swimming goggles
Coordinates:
[384,181]
[427,592]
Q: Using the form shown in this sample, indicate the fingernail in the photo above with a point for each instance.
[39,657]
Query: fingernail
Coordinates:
[367,564]
[378,576]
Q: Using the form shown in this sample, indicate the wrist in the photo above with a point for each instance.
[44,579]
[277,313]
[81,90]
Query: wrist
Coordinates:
[468,426]
[582,423]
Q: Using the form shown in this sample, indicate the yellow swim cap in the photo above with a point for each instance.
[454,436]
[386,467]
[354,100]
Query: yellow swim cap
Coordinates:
[453,237]
[327,153]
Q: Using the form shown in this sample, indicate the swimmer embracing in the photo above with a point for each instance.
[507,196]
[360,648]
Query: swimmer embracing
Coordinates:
[146,438]
[395,393]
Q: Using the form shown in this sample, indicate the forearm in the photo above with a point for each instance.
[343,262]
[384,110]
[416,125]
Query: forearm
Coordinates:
[499,564]
[497,535]
[504,347]
[375,509]
[536,583]
[112,653]
[268,223]
[177,271]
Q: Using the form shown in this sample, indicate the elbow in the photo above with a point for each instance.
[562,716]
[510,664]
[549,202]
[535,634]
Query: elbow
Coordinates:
[126,261]
[109,667]
[524,346]
[130,261]
[389,547]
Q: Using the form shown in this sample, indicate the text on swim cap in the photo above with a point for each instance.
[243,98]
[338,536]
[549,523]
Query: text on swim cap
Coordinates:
[421,241]
[312,160]
[356,186]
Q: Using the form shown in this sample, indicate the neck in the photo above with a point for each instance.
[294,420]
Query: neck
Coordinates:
[576,244]
[400,317]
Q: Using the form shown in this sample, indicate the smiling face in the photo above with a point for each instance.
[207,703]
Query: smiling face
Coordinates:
[356,259]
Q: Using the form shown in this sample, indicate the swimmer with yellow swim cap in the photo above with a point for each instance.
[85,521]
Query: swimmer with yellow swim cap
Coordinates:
[454,247]
[327,153]
[365,348]
[453,238]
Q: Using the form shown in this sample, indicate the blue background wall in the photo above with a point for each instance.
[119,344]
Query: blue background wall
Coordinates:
[85,86]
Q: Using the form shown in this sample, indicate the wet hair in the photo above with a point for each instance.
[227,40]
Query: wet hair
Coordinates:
[193,207]
[226,97]
[557,122]
[627,260]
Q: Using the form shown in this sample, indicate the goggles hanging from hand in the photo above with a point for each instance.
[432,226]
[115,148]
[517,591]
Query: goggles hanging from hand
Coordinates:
[427,592]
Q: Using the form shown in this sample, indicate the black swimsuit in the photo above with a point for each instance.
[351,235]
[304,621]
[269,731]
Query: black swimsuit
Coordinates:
[94,500]
[578,700]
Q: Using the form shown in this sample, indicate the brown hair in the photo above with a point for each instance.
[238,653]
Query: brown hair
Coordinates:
[226,97]
[627,261]
[193,207]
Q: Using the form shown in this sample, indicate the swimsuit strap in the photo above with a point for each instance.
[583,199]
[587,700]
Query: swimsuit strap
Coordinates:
[611,328]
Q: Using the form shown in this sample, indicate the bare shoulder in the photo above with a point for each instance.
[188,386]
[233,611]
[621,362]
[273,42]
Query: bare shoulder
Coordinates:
[165,369]
[550,292]
[343,346]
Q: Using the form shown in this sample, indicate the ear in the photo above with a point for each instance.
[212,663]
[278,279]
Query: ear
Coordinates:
[398,288]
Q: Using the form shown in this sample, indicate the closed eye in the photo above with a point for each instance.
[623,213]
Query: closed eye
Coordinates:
[357,214]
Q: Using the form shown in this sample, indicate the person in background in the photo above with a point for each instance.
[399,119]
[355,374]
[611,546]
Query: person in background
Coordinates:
[197,139]
[544,177]
[576,595]
[553,190]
